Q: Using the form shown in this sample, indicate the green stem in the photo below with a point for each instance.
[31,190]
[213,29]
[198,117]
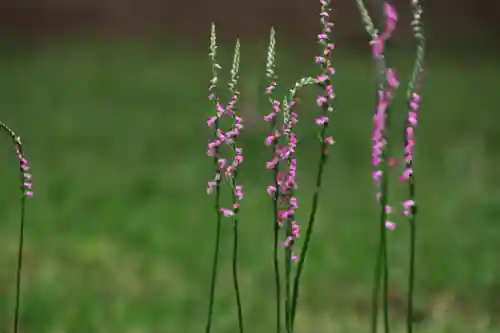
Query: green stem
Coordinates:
[235,276]
[411,277]
[17,305]
[288,272]
[310,226]
[376,289]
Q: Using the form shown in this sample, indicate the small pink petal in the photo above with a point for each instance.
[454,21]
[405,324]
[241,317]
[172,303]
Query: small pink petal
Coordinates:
[390,225]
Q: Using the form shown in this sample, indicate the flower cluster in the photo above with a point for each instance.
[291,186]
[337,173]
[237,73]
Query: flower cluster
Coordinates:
[325,100]
[410,141]
[410,134]
[27,183]
[282,191]
[223,166]
[228,169]
[385,95]
[409,206]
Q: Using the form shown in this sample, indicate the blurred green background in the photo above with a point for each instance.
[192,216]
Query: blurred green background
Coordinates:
[119,236]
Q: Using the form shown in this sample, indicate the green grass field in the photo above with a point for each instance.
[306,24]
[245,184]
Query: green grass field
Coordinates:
[119,237]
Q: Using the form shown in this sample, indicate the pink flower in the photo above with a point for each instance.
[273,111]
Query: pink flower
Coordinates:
[322,120]
[27,185]
[227,212]
[391,78]
[412,118]
[390,225]
[408,204]
[392,18]
[319,59]
[320,100]
[329,140]
[322,78]
[406,174]
[211,121]
[238,192]
[377,46]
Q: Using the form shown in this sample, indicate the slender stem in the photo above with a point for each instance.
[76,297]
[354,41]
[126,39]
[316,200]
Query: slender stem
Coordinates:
[411,277]
[376,289]
[310,226]
[288,273]
[235,276]
[215,262]
[19,267]
[381,266]
[277,275]
[385,265]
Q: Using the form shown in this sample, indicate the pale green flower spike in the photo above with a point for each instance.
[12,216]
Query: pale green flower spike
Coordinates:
[235,68]
[271,53]
[418,34]
[213,43]
[365,17]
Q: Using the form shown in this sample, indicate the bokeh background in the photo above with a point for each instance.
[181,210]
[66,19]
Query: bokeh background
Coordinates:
[110,99]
